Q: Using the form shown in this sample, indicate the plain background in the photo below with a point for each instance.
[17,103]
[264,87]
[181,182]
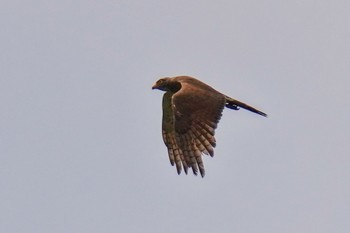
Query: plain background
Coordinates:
[80,128]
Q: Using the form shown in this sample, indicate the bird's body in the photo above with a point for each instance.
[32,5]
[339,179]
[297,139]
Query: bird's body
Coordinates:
[191,112]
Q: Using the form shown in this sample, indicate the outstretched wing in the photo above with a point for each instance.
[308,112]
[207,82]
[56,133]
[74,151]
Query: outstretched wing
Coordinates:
[197,110]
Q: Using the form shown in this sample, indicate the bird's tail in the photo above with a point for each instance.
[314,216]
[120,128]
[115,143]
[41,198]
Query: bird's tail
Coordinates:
[235,104]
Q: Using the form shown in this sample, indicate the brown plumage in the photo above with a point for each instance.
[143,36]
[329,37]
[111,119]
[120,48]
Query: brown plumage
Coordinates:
[191,112]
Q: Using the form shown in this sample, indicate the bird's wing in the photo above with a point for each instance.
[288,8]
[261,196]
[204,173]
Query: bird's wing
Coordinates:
[169,135]
[197,111]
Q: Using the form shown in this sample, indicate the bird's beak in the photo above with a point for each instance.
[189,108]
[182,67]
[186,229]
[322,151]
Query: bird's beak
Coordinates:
[154,86]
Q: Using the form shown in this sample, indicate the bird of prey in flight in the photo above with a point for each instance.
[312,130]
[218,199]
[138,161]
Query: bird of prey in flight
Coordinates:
[191,112]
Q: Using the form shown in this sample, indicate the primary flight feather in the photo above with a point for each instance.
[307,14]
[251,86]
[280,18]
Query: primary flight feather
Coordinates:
[191,112]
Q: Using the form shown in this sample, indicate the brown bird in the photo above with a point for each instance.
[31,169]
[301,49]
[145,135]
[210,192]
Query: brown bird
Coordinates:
[191,112]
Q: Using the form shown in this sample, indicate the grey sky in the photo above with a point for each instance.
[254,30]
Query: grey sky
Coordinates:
[80,142]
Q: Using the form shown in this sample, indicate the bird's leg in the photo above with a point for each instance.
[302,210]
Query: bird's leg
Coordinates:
[232,106]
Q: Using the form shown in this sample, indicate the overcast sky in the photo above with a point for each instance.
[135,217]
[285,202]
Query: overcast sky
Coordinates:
[80,128]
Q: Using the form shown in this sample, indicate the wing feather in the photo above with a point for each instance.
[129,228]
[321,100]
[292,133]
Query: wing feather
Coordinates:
[196,114]
[175,153]
[208,148]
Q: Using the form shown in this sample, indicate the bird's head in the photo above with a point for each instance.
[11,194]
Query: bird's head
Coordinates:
[167,84]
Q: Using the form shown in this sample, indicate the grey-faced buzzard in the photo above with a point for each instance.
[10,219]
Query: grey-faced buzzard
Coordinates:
[191,112]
